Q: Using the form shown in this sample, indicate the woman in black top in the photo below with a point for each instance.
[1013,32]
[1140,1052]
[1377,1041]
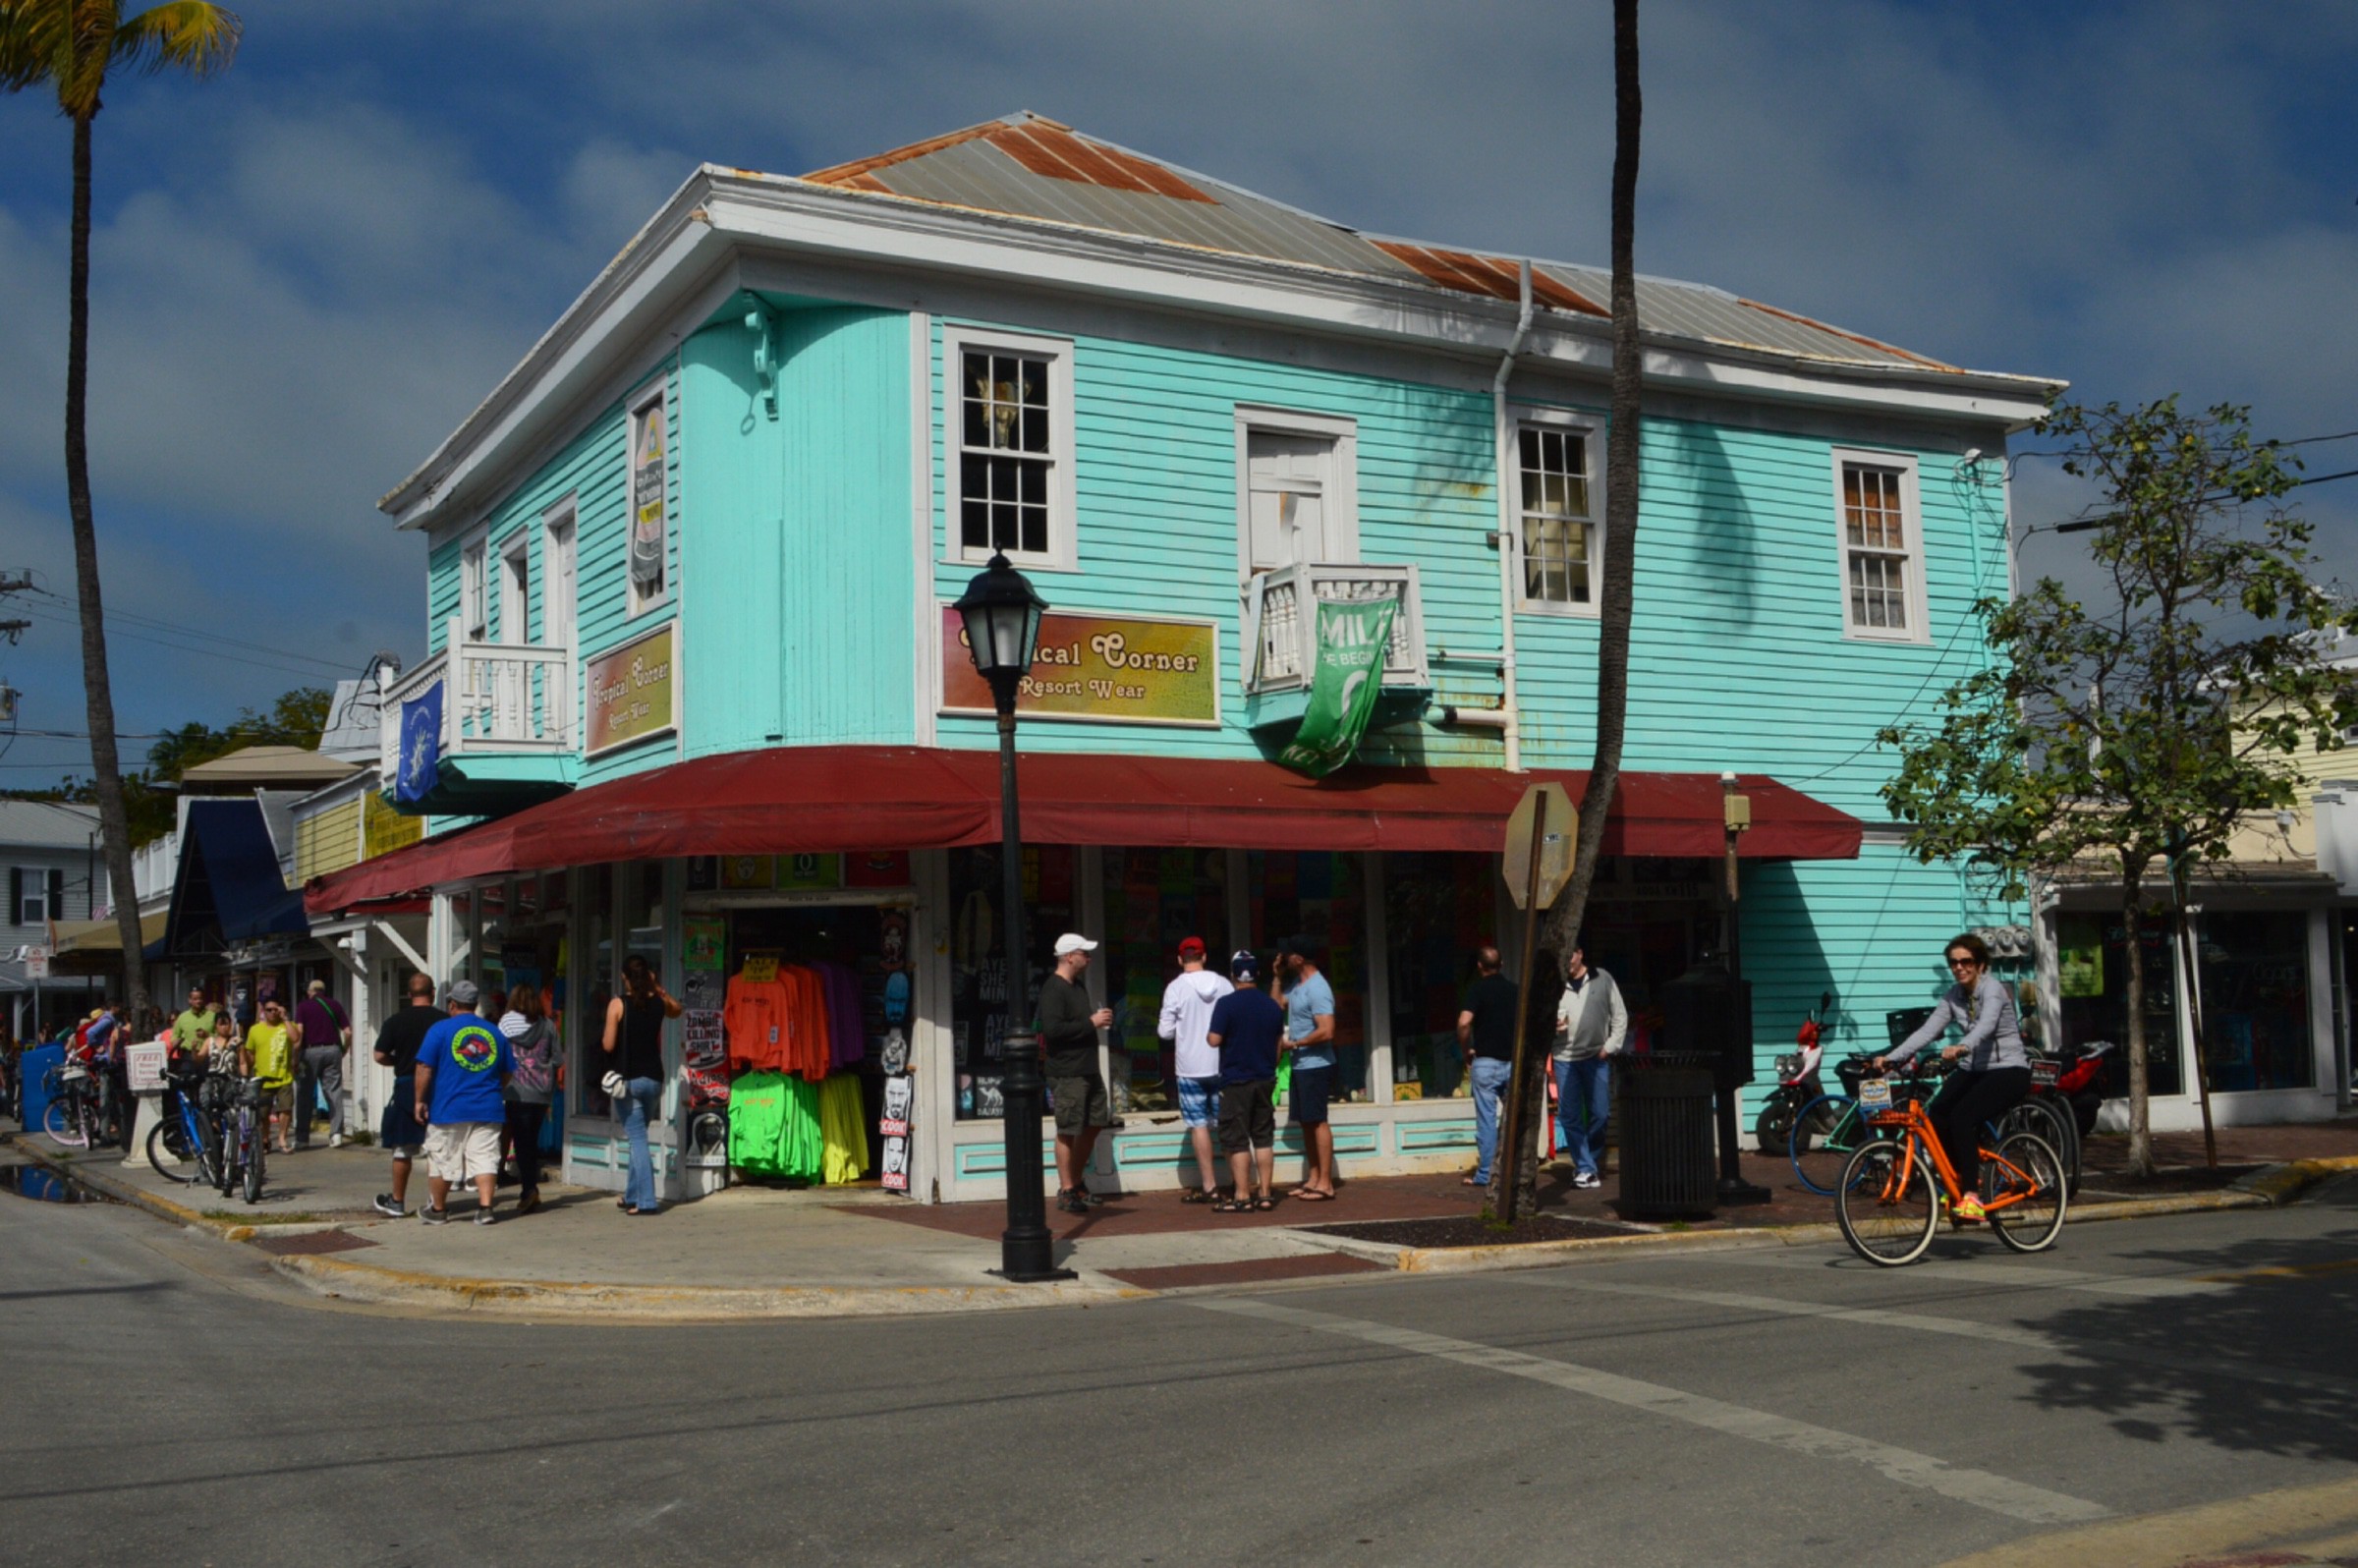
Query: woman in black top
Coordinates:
[634,1046]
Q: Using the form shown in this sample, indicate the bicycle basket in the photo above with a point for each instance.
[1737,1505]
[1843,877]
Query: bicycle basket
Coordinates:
[251,1092]
[72,1070]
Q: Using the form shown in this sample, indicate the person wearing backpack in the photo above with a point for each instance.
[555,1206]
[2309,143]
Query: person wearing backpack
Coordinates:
[529,1091]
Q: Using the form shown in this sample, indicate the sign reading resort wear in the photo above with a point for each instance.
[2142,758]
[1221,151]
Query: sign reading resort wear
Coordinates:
[1353,635]
[1123,669]
[634,692]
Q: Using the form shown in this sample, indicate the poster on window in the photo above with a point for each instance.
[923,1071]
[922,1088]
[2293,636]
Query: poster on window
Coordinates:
[705,1043]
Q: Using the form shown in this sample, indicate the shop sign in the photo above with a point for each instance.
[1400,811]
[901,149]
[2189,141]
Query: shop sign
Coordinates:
[634,692]
[418,768]
[760,968]
[143,1066]
[1353,635]
[2080,970]
[1117,669]
[37,963]
[703,943]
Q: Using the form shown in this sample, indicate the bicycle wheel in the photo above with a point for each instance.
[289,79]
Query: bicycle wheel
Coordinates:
[1831,1120]
[1886,1205]
[2026,1171]
[2052,1125]
[253,1170]
[169,1153]
[61,1127]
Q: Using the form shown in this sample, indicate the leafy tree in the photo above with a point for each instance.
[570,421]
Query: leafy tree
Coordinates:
[2129,739]
[72,47]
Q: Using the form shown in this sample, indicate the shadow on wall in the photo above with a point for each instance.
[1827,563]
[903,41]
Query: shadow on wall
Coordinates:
[1785,959]
[2198,1367]
[1722,549]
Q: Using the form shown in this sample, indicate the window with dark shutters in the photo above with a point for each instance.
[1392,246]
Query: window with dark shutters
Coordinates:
[57,895]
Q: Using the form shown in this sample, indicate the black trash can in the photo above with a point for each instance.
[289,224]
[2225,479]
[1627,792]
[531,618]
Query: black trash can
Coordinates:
[1668,1164]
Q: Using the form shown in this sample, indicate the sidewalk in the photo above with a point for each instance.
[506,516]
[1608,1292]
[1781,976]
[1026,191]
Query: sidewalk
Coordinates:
[758,1251]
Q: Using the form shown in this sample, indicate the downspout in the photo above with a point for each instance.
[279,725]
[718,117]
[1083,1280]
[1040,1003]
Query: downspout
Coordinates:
[1503,441]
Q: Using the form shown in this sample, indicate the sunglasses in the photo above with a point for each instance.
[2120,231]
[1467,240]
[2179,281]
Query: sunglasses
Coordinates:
[1964,962]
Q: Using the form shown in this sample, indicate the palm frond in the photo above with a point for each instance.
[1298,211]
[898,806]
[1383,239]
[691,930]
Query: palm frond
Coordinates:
[191,36]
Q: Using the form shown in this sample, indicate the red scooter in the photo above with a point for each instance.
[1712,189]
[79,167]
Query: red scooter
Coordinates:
[1797,1082]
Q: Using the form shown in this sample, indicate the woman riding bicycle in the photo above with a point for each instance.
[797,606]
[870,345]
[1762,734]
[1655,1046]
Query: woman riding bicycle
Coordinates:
[1996,1075]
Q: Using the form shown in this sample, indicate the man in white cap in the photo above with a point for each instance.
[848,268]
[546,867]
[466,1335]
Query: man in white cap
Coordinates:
[1068,1026]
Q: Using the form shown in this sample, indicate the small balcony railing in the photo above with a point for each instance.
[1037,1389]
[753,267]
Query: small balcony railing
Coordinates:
[1281,634]
[496,697]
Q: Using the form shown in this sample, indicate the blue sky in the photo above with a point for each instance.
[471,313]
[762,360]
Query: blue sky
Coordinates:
[307,271]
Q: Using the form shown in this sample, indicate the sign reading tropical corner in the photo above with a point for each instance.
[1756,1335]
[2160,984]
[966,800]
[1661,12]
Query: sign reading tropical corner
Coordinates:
[634,693]
[1352,637]
[1124,669]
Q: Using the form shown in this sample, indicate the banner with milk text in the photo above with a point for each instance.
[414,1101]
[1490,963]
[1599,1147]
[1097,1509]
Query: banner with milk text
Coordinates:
[1353,635]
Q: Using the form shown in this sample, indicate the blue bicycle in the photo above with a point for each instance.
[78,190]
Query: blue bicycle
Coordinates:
[183,1144]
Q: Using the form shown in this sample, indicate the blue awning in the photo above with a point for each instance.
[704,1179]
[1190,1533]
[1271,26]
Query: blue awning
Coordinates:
[229,888]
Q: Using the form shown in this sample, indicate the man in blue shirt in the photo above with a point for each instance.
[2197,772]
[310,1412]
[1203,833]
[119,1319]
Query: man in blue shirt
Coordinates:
[1245,1028]
[461,1065]
[1310,1033]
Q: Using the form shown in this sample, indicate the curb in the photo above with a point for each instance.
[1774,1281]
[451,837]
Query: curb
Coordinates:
[338,1278]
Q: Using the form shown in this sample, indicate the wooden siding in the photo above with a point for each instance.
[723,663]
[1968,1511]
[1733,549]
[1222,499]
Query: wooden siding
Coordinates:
[327,841]
[801,593]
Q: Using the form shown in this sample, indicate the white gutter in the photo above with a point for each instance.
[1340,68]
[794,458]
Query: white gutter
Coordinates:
[1509,551]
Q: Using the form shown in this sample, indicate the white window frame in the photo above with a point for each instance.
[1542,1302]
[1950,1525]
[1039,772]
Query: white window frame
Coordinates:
[516,577]
[1591,434]
[1063,553]
[1340,495]
[656,396]
[560,587]
[474,583]
[34,882]
[1911,508]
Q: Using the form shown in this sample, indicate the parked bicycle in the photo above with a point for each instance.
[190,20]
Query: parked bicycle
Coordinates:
[1892,1190]
[184,1144]
[1797,1083]
[242,1132]
[81,1113]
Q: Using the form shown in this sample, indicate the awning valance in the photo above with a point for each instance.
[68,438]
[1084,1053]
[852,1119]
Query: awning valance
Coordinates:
[851,798]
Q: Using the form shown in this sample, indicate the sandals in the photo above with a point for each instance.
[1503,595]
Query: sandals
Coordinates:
[1311,1195]
[1264,1204]
[1233,1206]
[1200,1195]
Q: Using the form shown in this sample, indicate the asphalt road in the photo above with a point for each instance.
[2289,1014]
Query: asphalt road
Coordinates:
[168,1400]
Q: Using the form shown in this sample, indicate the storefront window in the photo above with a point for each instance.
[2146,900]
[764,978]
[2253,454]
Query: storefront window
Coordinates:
[980,1007]
[1321,893]
[2256,1000]
[597,925]
[2093,977]
[1155,899]
[1438,910]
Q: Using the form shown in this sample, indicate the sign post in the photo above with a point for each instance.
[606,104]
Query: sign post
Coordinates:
[1546,865]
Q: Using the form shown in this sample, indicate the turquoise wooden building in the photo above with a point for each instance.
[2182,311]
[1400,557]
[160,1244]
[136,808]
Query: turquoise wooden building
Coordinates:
[693,688]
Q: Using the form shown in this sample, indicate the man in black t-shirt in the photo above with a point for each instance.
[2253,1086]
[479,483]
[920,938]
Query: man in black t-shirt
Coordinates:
[1486,1031]
[1068,1030]
[397,1043]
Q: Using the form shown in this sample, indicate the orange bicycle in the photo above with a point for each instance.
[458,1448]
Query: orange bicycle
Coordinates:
[1889,1197]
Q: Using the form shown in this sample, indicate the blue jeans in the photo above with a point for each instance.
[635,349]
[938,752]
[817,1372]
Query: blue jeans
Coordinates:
[1583,1100]
[1488,1076]
[642,1099]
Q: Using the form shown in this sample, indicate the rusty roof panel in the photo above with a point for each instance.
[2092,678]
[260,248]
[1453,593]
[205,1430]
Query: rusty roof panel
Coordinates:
[1028,166]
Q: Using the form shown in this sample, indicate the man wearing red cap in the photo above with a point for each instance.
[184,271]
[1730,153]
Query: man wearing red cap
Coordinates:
[1187,1004]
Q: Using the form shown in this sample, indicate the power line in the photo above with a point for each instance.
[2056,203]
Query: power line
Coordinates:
[158,622]
[201,650]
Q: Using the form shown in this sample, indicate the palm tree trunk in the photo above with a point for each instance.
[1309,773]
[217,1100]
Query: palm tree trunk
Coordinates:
[1620,543]
[105,767]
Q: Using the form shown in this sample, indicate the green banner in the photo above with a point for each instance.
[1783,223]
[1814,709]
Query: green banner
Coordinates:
[1352,637]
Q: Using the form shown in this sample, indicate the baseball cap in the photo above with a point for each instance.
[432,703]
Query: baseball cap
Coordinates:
[1073,942]
[1242,964]
[317,986]
[462,993]
[1191,947]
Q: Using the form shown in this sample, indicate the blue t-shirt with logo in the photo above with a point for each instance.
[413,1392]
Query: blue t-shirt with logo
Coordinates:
[1248,1021]
[469,1058]
[1309,997]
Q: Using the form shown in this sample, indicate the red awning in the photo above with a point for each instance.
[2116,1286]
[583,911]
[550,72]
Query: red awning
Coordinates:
[821,798]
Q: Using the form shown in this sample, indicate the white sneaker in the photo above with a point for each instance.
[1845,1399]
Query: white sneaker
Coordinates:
[335,1140]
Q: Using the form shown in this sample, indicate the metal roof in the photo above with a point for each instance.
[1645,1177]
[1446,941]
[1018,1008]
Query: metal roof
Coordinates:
[46,824]
[1028,166]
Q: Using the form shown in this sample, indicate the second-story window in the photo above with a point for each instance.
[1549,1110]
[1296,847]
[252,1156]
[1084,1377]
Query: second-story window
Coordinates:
[1559,531]
[650,513]
[1881,589]
[35,895]
[475,610]
[1010,407]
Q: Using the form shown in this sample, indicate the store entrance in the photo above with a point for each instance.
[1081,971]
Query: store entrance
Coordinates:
[816,1004]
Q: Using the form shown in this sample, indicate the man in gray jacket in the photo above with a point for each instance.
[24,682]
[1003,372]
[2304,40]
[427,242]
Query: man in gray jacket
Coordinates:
[1591,1026]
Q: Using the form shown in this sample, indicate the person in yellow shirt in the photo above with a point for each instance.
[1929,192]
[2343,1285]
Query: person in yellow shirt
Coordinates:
[271,1044]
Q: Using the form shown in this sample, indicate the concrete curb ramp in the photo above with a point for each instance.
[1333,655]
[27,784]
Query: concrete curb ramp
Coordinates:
[347,1279]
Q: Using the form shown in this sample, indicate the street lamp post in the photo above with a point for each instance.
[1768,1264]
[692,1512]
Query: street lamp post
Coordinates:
[1001,612]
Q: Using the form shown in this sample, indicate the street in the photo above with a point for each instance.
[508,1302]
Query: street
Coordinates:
[175,1401]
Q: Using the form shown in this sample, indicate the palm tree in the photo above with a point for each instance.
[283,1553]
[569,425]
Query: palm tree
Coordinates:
[1620,556]
[72,45]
